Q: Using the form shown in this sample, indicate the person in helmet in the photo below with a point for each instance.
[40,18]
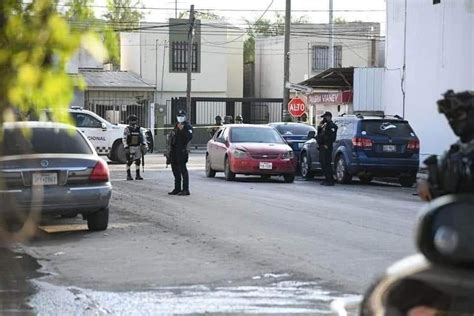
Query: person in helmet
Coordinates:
[135,146]
[453,172]
[216,127]
[228,119]
[239,119]
[180,138]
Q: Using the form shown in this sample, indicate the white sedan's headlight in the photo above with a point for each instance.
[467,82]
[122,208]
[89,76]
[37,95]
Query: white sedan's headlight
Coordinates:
[288,155]
[239,153]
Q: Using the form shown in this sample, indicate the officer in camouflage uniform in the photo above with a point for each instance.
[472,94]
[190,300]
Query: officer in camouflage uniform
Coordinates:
[134,142]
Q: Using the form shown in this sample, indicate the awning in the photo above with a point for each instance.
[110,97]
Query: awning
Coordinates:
[333,79]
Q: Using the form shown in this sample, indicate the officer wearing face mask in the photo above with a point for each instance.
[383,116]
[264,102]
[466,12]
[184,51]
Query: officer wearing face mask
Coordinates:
[182,135]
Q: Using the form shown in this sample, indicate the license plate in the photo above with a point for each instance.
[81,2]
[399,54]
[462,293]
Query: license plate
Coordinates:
[389,148]
[266,165]
[45,178]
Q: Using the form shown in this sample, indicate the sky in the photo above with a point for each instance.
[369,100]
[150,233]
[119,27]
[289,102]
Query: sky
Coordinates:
[315,11]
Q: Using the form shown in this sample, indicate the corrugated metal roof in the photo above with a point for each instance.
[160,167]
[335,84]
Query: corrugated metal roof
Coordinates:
[332,78]
[114,80]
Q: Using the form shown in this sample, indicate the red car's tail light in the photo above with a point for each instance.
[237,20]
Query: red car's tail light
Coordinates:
[362,142]
[100,173]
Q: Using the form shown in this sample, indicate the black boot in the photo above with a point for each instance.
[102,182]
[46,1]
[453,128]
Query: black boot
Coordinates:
[174,192]
[138,177]
[129,175]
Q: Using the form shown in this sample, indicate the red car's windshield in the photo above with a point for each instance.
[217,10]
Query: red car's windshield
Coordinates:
[255,135]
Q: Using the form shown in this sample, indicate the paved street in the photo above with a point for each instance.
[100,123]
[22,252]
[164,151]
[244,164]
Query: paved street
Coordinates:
[246,246]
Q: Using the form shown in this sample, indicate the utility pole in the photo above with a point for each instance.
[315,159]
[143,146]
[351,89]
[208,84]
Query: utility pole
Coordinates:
[286,54]
[189,56]
[331,35]
[175,9]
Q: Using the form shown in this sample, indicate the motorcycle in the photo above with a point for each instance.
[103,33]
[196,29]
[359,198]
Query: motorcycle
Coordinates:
[439,280]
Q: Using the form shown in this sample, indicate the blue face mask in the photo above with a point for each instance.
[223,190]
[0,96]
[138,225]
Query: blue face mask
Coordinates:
[181,119]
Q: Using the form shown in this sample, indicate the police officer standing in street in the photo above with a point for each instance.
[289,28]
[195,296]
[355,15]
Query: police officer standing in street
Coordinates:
[327,131]
[181,136]
[135,146]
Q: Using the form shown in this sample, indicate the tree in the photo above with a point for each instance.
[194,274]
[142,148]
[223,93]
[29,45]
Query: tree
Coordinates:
[202,15]
[266,27]
[121,15]
[81,15]
[80,10]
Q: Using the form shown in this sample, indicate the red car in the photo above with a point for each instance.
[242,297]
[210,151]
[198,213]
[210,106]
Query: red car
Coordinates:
[249,150]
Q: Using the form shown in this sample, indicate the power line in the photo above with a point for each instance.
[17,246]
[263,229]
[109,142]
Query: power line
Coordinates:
[222,9]
[256,21]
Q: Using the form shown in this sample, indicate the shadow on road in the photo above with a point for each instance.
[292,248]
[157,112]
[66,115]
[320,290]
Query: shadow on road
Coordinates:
[15,272]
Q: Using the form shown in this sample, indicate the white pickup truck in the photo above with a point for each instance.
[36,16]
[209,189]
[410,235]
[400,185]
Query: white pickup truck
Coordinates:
[105,136]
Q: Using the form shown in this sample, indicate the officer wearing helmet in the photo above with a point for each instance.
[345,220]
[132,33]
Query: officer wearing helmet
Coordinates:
[216,127]
[135,146]
[180,138]
[453,172]
[239,119]
[228,119]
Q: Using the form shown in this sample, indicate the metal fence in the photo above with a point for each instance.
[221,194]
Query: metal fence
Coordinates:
[119,113]
[204,110]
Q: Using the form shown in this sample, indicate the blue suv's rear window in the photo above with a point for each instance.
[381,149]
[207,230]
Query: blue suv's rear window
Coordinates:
[387,128]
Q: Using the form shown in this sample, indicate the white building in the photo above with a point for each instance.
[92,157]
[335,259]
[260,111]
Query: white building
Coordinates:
[356,44]
[436,43]
[158,55]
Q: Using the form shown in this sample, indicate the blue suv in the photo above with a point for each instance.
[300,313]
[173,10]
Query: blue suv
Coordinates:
[368,147]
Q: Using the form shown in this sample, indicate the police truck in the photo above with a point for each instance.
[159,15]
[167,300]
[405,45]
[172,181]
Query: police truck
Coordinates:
[106,137]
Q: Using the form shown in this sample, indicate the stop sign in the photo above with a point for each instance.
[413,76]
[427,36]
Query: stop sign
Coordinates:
[296,107]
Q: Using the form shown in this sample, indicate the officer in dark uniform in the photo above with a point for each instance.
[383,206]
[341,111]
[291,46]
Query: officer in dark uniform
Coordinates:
[181,136]
[135,146]
[216,127]
[327,131]
[453,172]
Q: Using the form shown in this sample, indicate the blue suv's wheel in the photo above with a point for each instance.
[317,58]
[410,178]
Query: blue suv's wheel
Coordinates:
[342,175]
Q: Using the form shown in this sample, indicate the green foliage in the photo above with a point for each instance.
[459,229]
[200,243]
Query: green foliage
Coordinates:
[82,17]
[202,15]
[121,15]
[266,27]
[36,44]
[340,20]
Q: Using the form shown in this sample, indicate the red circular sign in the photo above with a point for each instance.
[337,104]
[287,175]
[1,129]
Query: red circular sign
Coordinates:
[296,107]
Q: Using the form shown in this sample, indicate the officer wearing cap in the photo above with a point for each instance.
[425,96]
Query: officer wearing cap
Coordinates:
[135,146]
[327,131]
[182,135]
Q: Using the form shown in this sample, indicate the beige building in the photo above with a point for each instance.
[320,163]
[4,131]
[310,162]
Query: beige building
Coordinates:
[158,55]
[356,44]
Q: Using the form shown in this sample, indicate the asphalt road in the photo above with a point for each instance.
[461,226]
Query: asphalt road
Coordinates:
[246,246]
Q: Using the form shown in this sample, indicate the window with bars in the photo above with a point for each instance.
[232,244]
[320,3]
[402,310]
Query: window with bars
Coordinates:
[320,57]
[179,57]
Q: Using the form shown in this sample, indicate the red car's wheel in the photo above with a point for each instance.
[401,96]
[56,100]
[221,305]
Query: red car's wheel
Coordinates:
[228,174]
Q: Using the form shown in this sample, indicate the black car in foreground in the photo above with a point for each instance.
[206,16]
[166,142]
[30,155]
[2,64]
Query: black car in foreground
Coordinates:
[368,147]
[52,169]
